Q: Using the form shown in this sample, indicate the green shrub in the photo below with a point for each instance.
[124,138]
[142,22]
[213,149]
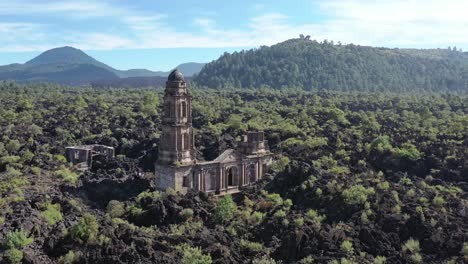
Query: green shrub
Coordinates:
[17,239]
[411,246]
[36,171]
[280,213]
[409,151]
[315,217]
[67,175]
[68,258]
[264,260]
[288,203]
[60,158]
[380,260]
[193,255]
[9,159]
[154,196]
[115,208]
[438,201]
[383,185]
[251,246]
[186,213]
[280,164]
[256,217]
[225,209]
[12,146]
[411,193]
[406,181]
[14,255]
[318,192]
[299,221]
[357,195]
[274,198]
[307,260]
[86,229]
[52,213]
[347,247]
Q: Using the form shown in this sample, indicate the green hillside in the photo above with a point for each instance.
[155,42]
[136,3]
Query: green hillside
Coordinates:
[311,65]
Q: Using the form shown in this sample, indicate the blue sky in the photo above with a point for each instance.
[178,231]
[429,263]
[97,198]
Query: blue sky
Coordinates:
[159,35]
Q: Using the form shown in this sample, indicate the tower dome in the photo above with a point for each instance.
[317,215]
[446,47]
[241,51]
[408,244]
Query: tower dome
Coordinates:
[176,76]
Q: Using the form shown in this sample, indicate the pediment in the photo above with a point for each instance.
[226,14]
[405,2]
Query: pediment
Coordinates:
[228,156]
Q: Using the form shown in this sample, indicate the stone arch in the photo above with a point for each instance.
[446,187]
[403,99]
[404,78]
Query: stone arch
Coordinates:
[210,180]
[232,176]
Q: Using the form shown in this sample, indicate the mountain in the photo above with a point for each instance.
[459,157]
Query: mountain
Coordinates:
[72,66]
[310,65]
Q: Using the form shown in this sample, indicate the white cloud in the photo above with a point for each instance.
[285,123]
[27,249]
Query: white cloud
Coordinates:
[75,9]
[415,23]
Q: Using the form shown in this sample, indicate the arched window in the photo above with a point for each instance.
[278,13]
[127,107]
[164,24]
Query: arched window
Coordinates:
[183,109]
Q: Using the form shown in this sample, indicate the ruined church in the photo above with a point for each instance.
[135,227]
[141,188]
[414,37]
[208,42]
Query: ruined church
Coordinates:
[177,166]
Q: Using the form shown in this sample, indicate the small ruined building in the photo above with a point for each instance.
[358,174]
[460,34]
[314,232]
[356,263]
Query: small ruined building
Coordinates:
[177,167]
[82,156]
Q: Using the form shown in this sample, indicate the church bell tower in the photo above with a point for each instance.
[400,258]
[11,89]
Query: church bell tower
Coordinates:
[176,141]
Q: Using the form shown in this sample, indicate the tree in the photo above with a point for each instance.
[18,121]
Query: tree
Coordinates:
[86,229]
[225,209]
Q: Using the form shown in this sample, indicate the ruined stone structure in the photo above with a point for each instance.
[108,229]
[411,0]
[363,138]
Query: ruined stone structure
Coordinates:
[82,156]
[177,167]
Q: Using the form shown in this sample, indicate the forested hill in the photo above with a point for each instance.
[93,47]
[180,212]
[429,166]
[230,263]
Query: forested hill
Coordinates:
[311,65]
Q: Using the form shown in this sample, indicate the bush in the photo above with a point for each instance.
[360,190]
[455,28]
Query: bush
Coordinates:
[191,255]
[274,198]
[299,221]
[17,240]
[280,213]
[68,258]
[115,208]
[153,196]
[347,247]
[86,229]
[186,213]
[52,213]
[12,146]
[438,201]
[383,185]
[225,209]
[67,175]
[251,246]
[380,260]
[357,195]
[264,260]
[411,246]
[256,218]
[14,255]
[315,217]
[280,164]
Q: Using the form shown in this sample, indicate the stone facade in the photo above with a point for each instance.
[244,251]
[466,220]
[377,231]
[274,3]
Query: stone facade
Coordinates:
[176,166]
[82,156]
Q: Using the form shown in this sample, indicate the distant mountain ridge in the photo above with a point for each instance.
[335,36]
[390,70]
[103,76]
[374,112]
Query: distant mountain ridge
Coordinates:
[310,65]
[73,66]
